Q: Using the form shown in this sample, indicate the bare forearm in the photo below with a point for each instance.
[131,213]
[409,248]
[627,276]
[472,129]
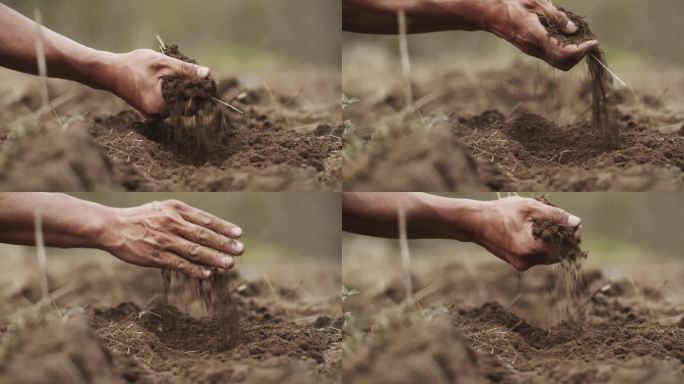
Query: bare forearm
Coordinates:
[380,16]
[67,222]
[65,58]
[427,216]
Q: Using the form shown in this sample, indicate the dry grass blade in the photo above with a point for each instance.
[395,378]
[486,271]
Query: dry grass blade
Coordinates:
[405,254]
[40,252]
[229,106]
[162,46]
[40,56]
[405,59]
[609,71]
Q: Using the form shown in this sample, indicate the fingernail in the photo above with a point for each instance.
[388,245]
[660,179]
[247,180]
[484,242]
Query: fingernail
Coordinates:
[206,273]
[202,72]
[573,221]
[238,247]
[227,261]
[570,27]
[236,231]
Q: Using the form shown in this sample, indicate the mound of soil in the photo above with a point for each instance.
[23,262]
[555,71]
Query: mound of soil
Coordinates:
[56,160]
[193,122]
[418,161]
[60,351]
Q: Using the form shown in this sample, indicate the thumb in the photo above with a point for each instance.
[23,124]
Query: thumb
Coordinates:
[188,70]
[558,216]
[558,18]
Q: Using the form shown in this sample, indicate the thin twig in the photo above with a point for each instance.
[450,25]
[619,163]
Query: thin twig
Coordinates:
[405,253]
[162,46]
[40,57]
[611,72]
[229,106]
[405,59]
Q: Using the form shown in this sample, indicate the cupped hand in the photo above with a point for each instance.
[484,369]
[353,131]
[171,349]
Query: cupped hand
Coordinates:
[517,21]
[505,229]
[172,235]
[137,77]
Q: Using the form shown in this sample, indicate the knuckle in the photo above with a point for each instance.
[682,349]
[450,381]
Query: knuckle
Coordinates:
[203,235]
[173,204]
[194,251]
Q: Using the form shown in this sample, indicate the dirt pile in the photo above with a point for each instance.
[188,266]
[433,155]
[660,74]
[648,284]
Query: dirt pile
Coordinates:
[418,161]
[215,293]
[600,80]
[193,122]
[58,351]
[56,159]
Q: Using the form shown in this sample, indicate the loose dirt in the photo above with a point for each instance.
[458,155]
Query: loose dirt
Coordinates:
[193,122]
[599,79]
[524,126]
[114,326]
[287,139]
[484,323]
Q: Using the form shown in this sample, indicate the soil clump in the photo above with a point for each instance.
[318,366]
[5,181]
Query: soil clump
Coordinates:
[193,121]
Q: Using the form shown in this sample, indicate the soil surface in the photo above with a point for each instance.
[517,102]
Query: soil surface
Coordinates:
[110,324]
[287,139]
[516,127]
[486,323]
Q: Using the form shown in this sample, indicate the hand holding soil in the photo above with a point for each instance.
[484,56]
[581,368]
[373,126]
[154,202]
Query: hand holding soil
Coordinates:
[506,230]
[137,77]
[504,227]
[518,22]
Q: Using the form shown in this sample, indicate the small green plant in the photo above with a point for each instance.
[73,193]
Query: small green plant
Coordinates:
[347,101]
[347,293]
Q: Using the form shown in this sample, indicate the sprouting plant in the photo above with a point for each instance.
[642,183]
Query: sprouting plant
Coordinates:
[348,320]
[347,293]
[348,127]
[347,101]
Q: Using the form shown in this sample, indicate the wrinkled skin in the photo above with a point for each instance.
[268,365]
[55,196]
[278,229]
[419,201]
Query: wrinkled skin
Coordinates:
[505,229]
[172,235]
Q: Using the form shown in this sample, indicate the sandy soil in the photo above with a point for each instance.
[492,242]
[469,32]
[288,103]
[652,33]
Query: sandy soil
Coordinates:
[110,324]
[287,139]
[498,126]
[480,321]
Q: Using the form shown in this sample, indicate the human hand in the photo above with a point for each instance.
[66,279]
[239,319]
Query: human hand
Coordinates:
[517,21]
[505,228]
[172,235]
[137,77]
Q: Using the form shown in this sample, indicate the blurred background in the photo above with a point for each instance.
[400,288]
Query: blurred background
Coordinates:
[276,226]
[219,33]
[629,31]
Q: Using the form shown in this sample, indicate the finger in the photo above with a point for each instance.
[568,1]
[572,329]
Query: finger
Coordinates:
[204,236]
[556,215]
[198,254]
[210,221]
[180,68]
[181,265]
[557,17]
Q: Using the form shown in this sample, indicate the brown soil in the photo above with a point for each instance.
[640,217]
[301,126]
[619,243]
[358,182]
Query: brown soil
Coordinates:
[287,139]
[488,324]
[526,127]
[193,122]
[284,334]
[598,76]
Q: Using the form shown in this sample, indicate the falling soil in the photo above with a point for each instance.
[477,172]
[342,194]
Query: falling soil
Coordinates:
[193,122]
[287,138]
[565,247]
[527,128]
[480,323]
[215,293]
[285,335]
[598,75]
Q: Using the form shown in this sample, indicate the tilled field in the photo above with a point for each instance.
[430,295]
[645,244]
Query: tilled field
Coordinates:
[486,323]
[287,139]
[110,324]
[507,127]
